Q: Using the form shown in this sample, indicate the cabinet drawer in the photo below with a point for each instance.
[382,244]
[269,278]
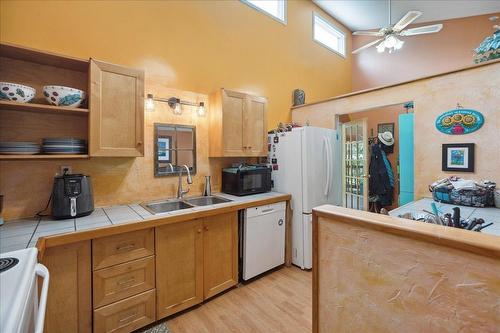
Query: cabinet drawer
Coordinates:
[121,281]
[126,315]
[117,249]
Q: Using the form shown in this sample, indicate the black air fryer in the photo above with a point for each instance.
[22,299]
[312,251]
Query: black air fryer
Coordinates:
[72,196]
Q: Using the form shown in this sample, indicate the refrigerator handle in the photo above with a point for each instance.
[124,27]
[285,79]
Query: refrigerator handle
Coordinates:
[330,164]
[327,158]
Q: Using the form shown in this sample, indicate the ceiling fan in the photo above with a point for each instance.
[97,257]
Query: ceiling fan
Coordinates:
[389,35]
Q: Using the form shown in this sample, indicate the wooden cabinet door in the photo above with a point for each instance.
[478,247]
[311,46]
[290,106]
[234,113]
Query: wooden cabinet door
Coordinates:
[179,266]
[116,110]
[233,106]
[255,126]
[220,253]
[69,306]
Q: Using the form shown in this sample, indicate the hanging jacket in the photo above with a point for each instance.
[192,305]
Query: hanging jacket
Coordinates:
[380,183]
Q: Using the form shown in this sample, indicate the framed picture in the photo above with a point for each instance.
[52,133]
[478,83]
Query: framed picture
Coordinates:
[386,127]
[458,157]
[164,148]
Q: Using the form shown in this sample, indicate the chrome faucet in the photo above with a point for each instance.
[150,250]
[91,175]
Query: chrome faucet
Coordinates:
[180,192]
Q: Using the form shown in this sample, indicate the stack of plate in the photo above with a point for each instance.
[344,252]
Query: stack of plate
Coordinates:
[64,146]
[19,148]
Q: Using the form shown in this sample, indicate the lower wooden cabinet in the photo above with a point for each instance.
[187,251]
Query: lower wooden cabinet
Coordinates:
[140,276]
[126,315]
[120,248]
[195,260]
[220,253]
[121,281]
[179,266]
[69,306]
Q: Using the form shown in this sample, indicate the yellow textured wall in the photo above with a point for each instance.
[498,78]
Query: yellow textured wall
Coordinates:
[197,46]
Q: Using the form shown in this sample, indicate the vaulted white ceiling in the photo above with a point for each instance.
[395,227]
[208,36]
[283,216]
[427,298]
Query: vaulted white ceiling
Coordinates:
[373,14]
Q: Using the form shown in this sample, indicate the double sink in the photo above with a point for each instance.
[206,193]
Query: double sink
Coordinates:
[171,205]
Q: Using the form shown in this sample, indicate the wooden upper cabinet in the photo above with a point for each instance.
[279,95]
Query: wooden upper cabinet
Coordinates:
[116,110]
[220,253]
[255,126]
[238,124]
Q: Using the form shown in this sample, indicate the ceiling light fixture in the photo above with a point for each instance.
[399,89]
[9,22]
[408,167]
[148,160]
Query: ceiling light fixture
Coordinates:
[391,43]
[175,104]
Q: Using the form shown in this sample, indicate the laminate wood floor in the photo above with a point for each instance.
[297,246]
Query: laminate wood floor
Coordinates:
[280,301]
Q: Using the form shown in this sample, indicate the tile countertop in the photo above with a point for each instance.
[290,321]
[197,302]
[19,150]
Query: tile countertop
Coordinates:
[23,233]
[489,214]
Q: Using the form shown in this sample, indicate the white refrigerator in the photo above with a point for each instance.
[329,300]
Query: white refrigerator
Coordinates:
[306,163]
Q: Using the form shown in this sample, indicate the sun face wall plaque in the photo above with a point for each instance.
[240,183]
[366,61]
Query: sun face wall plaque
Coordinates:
[459,121]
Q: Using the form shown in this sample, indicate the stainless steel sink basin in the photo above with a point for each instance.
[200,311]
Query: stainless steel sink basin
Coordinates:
[205,201]
[166,206]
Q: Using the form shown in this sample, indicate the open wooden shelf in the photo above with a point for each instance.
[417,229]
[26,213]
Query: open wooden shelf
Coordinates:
[42,157]
[42,108]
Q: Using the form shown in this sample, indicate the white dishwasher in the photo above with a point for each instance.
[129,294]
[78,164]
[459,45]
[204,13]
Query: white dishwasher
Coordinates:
[263,239]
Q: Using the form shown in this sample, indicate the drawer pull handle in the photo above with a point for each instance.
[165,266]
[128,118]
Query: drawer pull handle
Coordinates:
[268,210]
[206,228]
[126,281]
[127,319]
[125,247]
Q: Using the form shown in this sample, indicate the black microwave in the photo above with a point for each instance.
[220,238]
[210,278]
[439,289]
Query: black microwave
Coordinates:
[246,179]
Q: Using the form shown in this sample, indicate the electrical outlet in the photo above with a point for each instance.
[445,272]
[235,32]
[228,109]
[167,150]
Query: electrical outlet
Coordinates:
[66,169]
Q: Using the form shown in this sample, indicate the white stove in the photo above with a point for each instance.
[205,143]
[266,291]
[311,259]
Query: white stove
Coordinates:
[20,310]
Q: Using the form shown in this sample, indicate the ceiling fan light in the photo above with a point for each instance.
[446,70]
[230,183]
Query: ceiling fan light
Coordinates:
[381,47]
[399,44]
[391,41]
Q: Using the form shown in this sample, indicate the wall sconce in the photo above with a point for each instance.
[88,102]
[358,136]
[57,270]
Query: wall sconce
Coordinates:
[175,104]
[149,104]
[201,110]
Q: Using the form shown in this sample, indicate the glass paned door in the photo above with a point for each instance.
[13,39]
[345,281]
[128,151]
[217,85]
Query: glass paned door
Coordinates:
[355,165]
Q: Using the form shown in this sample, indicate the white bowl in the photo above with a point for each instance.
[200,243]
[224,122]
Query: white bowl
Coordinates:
[64,96]
[16,92]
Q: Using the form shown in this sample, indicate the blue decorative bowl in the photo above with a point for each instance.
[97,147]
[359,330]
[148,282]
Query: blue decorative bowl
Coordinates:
[64,96]
[16,92]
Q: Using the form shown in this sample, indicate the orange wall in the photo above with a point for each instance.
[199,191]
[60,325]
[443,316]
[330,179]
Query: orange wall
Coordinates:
[197,46]
[382,115]
[449,49]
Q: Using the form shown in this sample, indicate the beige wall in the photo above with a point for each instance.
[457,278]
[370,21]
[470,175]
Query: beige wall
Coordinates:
[475,88]
[190,45]
[424,55]
[382,274]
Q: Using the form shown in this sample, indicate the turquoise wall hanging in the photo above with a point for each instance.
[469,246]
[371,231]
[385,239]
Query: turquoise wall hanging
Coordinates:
[459,121]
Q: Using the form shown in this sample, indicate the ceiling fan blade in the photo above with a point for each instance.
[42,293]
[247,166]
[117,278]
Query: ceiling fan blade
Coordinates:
[428,29]
[366,46]
[407,19]
[368,33]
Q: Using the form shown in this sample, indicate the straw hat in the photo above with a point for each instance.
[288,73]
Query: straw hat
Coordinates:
[386,138]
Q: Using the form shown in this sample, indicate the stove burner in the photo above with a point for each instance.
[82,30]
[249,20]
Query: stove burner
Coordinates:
[7,263]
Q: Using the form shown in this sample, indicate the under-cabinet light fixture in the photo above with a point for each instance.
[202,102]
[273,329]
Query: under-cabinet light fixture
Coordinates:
[175,104]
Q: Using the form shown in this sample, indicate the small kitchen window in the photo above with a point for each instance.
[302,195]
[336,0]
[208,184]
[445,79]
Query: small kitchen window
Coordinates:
[274,8]
[328,35]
